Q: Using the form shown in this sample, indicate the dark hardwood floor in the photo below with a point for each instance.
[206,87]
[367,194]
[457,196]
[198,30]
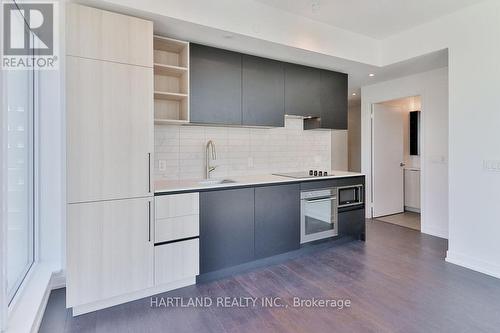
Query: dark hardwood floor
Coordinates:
[397,281]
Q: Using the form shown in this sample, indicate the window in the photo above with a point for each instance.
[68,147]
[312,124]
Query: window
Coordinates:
[19,97]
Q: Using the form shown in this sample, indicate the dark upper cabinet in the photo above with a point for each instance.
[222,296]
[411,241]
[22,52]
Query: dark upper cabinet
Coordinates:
[262,92]
[226,228]
[215,86]
[231,88]
[302,90]
[277,219]
[333,98]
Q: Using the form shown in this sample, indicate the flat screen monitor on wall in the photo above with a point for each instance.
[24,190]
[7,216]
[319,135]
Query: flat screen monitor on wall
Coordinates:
[415,133]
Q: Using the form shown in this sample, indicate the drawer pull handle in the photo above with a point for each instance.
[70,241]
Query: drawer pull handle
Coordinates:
[149,221]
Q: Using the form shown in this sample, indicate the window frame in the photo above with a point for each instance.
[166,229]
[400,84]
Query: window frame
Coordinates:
[8,298]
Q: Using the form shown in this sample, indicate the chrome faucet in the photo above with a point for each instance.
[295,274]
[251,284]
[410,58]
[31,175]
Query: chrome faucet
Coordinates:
[210,144]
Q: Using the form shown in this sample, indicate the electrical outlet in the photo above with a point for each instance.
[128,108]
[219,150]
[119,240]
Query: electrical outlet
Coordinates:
[250,162]
[491,165]
[162,165]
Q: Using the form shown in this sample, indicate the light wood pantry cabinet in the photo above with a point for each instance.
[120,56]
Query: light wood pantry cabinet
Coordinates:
[110,140]
[99,34]
[109,249]
[109,130]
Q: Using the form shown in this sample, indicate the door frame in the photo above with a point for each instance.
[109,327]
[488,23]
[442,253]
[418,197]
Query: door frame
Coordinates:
[370,177]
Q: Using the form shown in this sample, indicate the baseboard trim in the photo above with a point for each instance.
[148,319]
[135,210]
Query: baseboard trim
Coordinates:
[434,232]
[94,306]
[477,265]
[58,280]
[27,313]
[411,209]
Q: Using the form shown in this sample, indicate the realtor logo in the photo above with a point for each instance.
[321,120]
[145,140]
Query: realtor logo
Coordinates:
[29,35]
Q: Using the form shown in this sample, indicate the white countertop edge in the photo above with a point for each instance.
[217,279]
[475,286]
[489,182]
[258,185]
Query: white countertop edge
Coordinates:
[164,186]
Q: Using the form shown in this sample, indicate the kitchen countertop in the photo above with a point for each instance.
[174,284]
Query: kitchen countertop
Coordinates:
[166,186]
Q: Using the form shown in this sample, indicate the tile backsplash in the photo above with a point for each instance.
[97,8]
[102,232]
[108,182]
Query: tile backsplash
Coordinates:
[180,150]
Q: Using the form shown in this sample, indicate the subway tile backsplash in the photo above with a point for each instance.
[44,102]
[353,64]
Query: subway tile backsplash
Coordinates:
[180,150]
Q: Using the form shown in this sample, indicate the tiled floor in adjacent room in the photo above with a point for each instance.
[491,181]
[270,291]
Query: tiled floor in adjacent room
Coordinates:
[407,219]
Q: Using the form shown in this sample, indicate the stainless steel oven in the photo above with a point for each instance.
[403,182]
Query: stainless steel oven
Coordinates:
[350,195]
[318,210]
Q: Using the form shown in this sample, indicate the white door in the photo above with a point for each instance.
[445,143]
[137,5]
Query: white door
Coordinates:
[388,196]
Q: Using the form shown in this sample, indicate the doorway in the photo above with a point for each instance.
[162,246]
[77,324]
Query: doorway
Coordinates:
[395,159]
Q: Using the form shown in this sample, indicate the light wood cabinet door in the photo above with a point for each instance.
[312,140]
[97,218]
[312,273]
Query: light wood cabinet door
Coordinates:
[109,130]
[109,249]
[177,261]
[99,34]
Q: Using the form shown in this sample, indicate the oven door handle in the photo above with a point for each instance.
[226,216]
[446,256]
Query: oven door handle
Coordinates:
[322,199]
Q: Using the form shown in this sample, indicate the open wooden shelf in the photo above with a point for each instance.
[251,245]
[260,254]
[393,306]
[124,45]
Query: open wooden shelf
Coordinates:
[160,121]
[168,51]
[171,80]
[160,69]
[170,96]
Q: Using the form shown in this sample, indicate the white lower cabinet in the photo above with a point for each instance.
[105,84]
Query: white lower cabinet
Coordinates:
[177,216]
[177,228]
[176,261]
[412,190]
[109,249]
[112,257]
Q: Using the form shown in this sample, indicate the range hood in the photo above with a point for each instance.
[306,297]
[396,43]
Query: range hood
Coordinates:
[310,122]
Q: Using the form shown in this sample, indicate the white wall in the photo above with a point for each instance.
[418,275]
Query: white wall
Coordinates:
[473,38]
[339,151]
[247,151]
[354,136]
[433,89]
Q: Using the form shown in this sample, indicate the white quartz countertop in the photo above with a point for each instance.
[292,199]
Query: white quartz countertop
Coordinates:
[165,186]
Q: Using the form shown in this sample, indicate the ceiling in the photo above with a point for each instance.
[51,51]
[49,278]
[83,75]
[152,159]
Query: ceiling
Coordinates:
[358,72]
[374,18]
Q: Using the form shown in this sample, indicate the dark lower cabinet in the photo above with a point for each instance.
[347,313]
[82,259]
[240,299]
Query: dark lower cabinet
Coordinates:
[277,219]
[352,223]
[226,228]
[241,225]
[262,84]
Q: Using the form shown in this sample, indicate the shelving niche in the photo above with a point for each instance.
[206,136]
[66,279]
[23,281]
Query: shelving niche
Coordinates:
[171,80]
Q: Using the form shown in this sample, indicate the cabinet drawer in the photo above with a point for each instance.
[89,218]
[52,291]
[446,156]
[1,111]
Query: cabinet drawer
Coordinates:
[176,261]
[177,228]
[176,205]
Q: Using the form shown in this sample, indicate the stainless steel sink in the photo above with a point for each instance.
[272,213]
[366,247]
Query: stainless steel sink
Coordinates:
[216,181]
